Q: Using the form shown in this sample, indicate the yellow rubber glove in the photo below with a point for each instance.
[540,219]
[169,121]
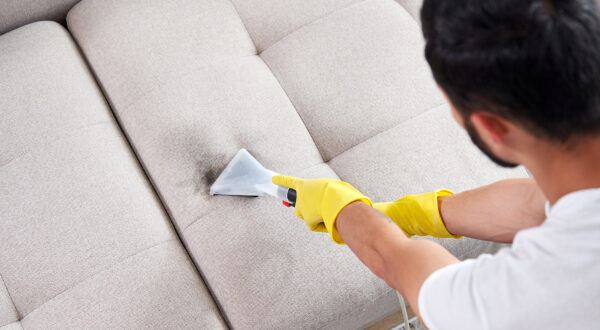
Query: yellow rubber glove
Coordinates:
[418,214]
[318,201]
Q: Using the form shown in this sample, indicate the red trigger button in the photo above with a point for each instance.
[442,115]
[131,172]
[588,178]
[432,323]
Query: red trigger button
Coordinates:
[286,203]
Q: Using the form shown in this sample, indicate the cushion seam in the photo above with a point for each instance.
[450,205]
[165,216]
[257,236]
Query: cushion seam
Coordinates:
[177,78]
[37,147]
[277,79]
[98,273]
[318,19]
[244,25]
[11,301]
[11,323]
[295,109]
[388,129]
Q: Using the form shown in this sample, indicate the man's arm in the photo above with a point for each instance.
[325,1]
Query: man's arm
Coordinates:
[495,212]
[345,213]
[376,240]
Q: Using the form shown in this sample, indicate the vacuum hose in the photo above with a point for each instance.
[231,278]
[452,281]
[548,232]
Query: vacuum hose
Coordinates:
[404,313]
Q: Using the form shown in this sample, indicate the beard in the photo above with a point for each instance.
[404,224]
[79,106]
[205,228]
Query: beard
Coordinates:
[484,148]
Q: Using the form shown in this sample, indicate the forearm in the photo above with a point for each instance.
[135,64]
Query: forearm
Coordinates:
[495,212]
[404,264]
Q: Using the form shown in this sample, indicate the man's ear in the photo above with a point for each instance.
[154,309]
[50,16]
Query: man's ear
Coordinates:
[491,128]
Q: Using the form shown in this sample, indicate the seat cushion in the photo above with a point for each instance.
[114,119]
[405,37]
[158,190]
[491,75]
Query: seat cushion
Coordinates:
[15,13]
[86,242]
[307,95]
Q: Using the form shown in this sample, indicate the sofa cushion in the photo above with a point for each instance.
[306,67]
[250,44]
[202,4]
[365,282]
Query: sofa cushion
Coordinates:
[15,13]
[301,94]
[85,242]
[354,73]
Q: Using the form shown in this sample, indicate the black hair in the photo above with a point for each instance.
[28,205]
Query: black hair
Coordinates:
[533,62]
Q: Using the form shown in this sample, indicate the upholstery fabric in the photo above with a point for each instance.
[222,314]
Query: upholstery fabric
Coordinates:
[80,222]
[8,313]
[15,13]
[354,73]
[413,7]
[154,289]
[268,22]
[296,92]
[440,155]
[12,326]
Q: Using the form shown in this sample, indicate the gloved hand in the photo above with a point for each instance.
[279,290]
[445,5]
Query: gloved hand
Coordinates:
[318,201]
[418,214]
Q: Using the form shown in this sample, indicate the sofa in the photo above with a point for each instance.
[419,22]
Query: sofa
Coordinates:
[116,117]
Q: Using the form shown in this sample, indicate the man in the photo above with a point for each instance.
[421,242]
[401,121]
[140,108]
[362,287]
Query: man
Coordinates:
[523,78]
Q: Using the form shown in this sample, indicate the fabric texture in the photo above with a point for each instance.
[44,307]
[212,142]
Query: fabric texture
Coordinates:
[193,88]
[154,289]
[76,206]
[12,326]
[8,313]
[413,7]
[268,22]
[355,73]
[16,13]
[548,279]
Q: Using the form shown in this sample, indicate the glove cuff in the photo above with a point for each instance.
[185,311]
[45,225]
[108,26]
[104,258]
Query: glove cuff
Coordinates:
[418,214]
[335,236]
[429,204]
[336,198]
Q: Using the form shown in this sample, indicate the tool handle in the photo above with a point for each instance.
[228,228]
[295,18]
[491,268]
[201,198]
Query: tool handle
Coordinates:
[287,195]
[291,197]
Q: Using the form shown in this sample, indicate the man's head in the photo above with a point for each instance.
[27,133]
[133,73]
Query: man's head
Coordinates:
[529,65]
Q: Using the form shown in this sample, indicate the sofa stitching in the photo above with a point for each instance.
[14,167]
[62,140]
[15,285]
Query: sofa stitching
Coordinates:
[279,83]
[177,78]
[244,25]
[92,276]
[387,130]
[18,323]
[295,109]
[37,148]
[11,301]
[318,19]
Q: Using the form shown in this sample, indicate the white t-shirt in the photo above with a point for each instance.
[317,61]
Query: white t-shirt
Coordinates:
[548,279]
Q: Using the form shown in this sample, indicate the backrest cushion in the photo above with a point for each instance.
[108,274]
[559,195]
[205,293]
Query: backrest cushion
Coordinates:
[16,13]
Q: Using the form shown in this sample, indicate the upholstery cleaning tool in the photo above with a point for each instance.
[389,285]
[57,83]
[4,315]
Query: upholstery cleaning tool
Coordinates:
[245,176]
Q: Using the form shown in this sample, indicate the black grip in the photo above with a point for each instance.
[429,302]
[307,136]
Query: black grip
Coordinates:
[291,196]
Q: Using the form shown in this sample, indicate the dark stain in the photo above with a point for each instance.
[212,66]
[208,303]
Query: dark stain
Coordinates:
[210,176]
[208,168]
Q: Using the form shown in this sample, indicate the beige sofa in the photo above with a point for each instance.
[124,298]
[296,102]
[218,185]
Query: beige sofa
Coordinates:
[114,126]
